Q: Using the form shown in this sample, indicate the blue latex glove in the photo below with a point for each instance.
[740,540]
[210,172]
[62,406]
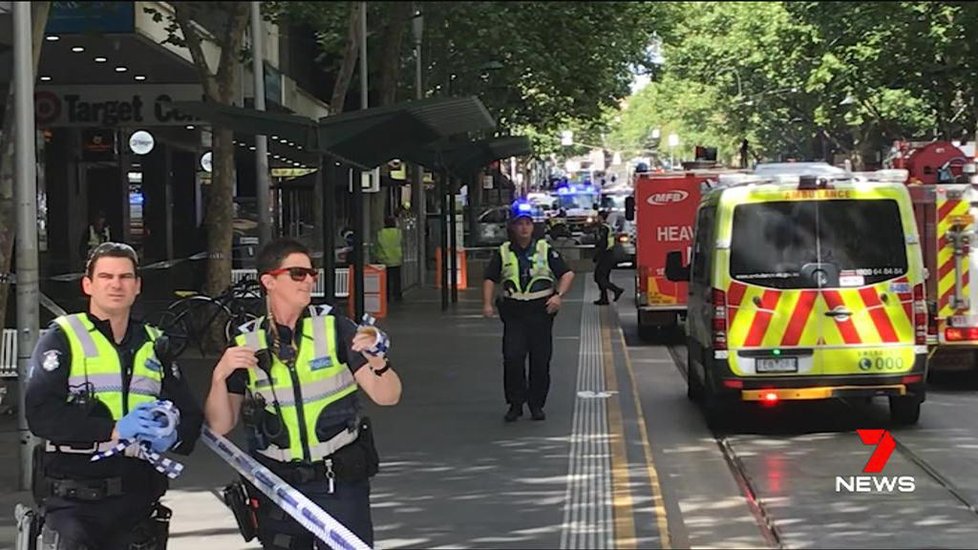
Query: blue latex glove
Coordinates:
[164,443]
[138,422]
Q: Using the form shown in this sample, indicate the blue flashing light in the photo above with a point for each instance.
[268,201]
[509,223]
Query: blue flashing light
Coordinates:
[524,207]
[563,190]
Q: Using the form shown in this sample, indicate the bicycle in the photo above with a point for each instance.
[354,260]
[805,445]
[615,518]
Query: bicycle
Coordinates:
[189,319]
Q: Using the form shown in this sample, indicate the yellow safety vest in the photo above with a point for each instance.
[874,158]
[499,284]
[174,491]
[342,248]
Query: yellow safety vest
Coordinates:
[95,361]
[389,246]
[317,380]
[611,237]
[541,283]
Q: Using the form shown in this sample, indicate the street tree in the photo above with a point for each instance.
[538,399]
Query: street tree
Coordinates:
[8,214]
[192,25]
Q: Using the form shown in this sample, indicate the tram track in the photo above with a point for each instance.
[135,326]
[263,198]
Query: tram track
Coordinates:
[764,520]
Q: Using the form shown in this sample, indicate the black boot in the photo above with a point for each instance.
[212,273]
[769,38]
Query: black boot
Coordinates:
[515,411]
[618,292]
[536,413]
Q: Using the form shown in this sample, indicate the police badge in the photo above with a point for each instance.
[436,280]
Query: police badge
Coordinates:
[51,360]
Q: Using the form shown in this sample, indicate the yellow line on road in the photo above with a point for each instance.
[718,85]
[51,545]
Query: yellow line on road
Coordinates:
[621,495]
[659,505]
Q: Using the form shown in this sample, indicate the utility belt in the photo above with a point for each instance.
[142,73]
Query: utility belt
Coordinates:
[88,490]
[353,461]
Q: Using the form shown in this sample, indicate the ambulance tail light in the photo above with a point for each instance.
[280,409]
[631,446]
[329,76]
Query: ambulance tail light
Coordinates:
[962,334]
[920,325]
[719,319]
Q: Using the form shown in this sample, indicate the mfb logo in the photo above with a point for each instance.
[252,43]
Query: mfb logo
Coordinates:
[885,445]
[667,197]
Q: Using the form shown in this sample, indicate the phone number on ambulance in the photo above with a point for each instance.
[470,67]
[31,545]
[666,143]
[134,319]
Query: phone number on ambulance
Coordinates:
[878,271]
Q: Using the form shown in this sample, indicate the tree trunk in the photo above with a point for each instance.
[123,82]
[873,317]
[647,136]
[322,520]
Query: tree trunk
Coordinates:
[8,213]
[220,212]
[389,72]
[337,101]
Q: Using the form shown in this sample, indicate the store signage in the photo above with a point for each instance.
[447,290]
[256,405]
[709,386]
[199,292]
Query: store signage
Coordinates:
[142,105]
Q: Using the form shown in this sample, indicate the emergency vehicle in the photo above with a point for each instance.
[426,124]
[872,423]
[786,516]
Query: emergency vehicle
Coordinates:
[664,211]
[945,206]
[805,287]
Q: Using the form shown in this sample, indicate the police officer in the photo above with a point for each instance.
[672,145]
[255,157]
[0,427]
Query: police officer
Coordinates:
[389,253]
[604,259]
[534,278]
[94,378]
[293,376]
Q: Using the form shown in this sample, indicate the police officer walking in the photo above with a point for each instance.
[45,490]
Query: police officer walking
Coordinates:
[292,376]
[389,253]
[534,278]
[605,261]
[95,380]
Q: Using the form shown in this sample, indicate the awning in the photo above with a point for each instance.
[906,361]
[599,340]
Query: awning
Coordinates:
[366,138]
[463,158]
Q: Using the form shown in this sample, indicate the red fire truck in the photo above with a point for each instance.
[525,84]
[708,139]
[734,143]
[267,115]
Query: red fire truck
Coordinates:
[664,210]
[946,206]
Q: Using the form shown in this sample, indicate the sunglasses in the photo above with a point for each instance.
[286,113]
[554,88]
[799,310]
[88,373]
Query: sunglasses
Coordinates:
[297,274]
[114,249]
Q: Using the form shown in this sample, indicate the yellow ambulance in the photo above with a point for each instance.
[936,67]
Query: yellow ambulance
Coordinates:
[805,287]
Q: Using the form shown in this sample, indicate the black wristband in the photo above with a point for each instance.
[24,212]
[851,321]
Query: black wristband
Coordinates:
[381,371]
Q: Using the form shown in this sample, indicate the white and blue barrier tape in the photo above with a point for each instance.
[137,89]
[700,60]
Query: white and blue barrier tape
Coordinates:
[382,343]
[291,501]
[141,449]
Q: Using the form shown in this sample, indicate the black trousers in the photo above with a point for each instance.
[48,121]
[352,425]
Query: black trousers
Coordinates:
[602,276]
[527,331]
[107,524]
[393,283]
[349,504]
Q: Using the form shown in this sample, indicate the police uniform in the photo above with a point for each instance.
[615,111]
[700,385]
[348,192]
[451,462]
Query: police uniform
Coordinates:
[605,259]
[302,417]
[529,278]
[80,383]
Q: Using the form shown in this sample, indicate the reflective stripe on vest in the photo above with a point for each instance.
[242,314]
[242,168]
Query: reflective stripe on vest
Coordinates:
[323,380]
[539,272]
[95,362]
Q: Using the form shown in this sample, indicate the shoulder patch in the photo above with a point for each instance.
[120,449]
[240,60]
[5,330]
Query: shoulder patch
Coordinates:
[52,360]
[175,370]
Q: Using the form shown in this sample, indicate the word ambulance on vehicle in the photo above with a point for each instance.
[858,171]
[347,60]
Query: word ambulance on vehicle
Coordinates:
[805,287]
[664,210]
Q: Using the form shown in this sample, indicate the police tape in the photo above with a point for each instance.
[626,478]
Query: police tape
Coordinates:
[382,342]
[291,501]
[163,410]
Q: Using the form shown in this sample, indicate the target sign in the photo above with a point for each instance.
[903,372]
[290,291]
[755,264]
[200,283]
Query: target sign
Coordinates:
[47,107]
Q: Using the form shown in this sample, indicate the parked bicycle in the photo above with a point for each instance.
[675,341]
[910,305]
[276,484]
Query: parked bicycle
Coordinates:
[189,320]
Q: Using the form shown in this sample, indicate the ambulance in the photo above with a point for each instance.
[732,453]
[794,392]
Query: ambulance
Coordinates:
[805,287]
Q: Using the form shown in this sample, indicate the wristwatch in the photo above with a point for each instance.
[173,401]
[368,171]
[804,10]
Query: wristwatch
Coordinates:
[382,370]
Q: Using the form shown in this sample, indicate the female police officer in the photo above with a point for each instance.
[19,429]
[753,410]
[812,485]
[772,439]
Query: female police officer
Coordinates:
[296,372]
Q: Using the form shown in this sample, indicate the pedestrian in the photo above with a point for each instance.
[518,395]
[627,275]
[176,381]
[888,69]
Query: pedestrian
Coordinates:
[534,280]
[96,233]
[390,253]
[605,260]
[95,380]
[309,355]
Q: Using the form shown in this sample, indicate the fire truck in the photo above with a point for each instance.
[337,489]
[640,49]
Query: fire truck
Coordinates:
[664,211]
[939,177]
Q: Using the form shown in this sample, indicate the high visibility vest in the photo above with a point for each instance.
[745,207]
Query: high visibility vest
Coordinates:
[611,237]
[97,238]
[389,246]
[303,391]
[95,361]
[541,283]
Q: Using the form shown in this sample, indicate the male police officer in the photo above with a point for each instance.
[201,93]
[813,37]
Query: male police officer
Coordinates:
[95,380]
[534,279]
[604,258]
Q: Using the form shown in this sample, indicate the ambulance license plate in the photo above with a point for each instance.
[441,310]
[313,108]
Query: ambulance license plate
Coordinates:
[779,364]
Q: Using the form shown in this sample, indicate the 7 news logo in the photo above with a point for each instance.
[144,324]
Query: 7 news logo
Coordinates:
[885,445]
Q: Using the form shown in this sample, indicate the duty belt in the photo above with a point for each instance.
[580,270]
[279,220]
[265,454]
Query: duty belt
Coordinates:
[95,447]
[87,490]
[316,452]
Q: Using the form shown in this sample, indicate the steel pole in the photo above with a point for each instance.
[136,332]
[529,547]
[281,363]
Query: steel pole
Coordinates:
[364,104]
[25,190]
[417,197]
[262,184]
